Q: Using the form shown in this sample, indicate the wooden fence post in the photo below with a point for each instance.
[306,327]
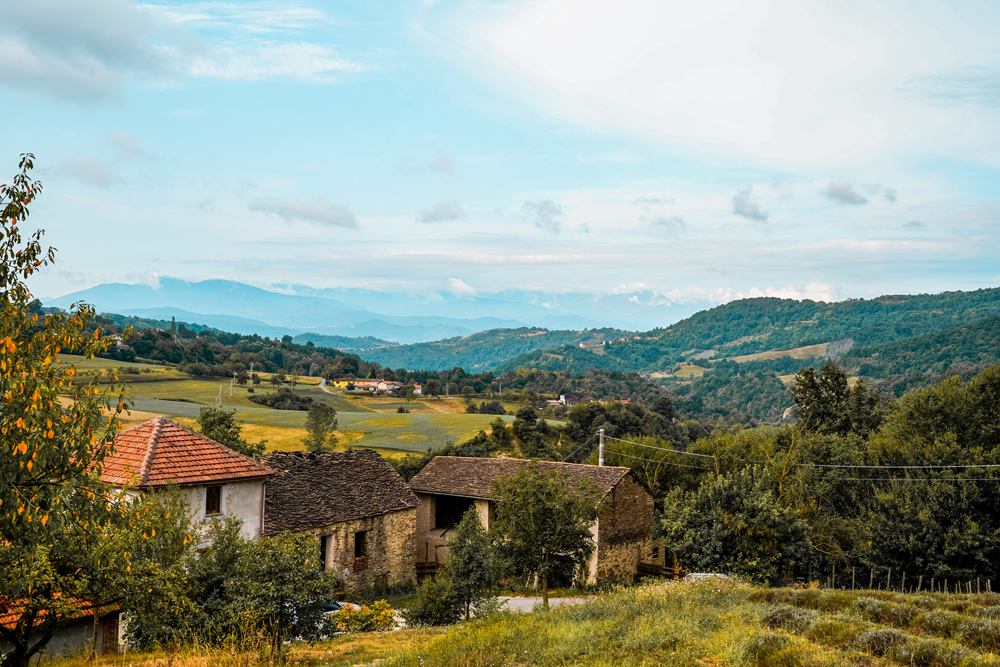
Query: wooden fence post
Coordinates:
[852,578]
[920,582]
[833,577]
[871,580]
[888,579]
[902,586]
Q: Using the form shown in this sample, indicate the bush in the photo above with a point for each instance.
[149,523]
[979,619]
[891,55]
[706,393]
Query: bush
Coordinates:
[929,653]
[832,633]
[983,632]
[943,623]
[991,613]
[285,399]
[880,642]
[899,615]
[871,609]
[772,650]
[789,618]
[378,618]
[389,592]
[436,603]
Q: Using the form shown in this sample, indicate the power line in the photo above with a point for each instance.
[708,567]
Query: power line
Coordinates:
[916,479]
[639,458]
[579,448]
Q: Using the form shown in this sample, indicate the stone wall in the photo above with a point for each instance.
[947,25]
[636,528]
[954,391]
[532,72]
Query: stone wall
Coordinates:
[389,541]
[624,533]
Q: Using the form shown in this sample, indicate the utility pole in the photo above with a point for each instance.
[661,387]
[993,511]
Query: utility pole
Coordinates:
[600,447]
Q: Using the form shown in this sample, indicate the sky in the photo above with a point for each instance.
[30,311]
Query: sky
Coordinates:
[700,151]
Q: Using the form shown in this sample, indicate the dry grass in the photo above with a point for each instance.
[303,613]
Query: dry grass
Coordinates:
[796,353]
[689,371]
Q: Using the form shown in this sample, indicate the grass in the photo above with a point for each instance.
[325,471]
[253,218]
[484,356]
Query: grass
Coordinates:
[795,353]
[724,623]
[688,371]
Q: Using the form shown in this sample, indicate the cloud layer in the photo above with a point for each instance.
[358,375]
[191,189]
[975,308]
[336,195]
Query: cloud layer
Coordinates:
[317,209]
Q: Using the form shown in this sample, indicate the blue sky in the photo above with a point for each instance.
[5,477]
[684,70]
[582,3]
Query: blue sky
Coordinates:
[698,150]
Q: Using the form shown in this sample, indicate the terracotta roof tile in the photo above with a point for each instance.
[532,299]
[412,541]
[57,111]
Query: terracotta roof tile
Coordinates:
[473,477]
[160,451]
[319,489]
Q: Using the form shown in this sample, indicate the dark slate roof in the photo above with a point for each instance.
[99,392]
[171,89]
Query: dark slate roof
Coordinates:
[473,478]
[319,489]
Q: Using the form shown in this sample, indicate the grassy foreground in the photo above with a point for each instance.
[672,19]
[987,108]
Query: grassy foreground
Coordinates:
[722,623]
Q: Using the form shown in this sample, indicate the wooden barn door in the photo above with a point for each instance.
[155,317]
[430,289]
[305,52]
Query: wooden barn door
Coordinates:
[109,636]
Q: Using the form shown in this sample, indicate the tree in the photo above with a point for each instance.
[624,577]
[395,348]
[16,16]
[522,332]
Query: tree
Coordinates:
[279,585]
[542,525]
[503,437]
[526,428]
[220,425]
[470,561]
[55,512]
[826,403]
[432,387]
[321,424]
[734,524]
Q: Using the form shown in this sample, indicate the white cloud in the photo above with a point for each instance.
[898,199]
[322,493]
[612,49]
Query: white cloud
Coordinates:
[744,207]
[890,194]
[443,163]
[89,170]
[544,214]
[126,143]
[844,193]
[459,288]
[815,291]
[284,60]
[445,211]
[150,278]
[317,210]
[790,84]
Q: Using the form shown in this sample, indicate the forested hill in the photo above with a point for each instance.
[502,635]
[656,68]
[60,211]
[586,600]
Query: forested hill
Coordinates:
[483,351]
[757,325]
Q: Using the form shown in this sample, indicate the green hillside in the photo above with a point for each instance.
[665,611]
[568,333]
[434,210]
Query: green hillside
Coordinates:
[757,325]
[484,351]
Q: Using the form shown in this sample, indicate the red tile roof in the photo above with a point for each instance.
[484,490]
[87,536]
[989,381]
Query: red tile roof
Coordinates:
[160,451]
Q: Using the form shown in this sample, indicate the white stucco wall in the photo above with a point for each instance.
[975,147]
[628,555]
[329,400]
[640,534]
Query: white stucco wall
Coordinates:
[244,500]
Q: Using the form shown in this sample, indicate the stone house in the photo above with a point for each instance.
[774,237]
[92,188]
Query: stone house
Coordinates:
[449,485]
[216,481]
[355,503]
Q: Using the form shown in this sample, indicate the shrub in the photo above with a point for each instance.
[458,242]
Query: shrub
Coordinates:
[832,633]
[941,622]
[389,592]
[378,618]
[773,650]
[285,399]
[880,642]
[990,612]
[789,618]
[436,603]
[900,615]
[982,632]
[870,608]
[929,653]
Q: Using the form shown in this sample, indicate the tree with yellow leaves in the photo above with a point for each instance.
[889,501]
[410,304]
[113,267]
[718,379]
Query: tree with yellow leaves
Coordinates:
[55,516]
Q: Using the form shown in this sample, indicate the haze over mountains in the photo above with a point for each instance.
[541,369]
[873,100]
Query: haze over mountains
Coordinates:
[393,317]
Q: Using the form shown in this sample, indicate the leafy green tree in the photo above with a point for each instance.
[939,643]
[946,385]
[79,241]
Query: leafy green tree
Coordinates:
[503,437]
[279,585]
[54,510]
[734,524]
[432,387]
[542,526]
[526,428]
[321,423]
[470,561]
[826,403]
[220,425]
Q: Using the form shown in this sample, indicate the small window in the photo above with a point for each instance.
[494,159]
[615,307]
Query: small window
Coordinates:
[323,539]
[360,544]
[656,553]
[213,500]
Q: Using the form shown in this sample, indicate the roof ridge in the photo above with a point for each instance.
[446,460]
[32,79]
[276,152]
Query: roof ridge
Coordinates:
[221,446]
[154,438]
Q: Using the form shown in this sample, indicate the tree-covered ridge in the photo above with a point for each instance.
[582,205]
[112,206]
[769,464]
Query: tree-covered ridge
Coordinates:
[749,326]
[486,350]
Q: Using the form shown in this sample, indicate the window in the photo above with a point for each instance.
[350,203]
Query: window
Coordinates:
[360,544]
[213,500]
[656,553]
[324,540]
[449,510]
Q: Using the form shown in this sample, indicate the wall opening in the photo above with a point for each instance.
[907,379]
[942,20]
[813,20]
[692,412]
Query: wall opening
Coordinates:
[360,544]
[213,500]
[448,510]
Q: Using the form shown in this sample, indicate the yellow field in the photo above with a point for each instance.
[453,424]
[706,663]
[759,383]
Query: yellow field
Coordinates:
[689,371]
[796,353]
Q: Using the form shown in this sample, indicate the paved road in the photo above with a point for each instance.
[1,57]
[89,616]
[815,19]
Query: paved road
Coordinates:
[525,605]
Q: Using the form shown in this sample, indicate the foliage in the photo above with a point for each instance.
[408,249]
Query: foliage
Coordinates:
[220,425]
[379,617]
[285,399]
[470,562]
[734,524]
[55,511]
[320,424]
[529,430]
[542,525]
[436,603]
[826,404]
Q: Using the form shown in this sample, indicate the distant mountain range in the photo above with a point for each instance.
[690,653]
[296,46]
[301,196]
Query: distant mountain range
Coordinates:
[358,313]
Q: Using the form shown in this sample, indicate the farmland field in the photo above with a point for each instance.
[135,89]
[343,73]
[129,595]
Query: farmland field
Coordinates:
[796,353]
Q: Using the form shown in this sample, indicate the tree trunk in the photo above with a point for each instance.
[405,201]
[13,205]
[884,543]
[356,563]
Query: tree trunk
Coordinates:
[545,592]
